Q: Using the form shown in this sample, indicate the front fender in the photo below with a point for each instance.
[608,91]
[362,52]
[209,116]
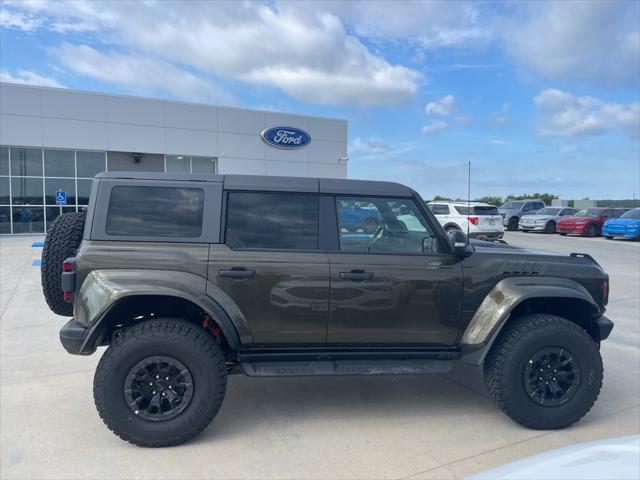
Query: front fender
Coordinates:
[504,297]
[102,289]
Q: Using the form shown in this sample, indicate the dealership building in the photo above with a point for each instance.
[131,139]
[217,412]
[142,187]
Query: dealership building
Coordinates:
[53,141]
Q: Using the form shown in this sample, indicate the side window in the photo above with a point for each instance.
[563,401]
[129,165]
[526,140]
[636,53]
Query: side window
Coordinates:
[439,209]
[155,212]
[272,220]
[383,225]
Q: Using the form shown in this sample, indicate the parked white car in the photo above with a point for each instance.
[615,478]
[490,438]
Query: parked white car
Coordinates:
[482,220]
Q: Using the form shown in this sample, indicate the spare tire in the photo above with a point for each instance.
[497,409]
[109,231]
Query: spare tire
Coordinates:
[62,241]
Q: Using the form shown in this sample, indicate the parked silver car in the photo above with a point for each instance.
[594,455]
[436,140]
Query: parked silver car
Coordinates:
[544,220]
[513,210]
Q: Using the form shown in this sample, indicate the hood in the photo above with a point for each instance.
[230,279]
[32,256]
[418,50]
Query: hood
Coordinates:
[502,247]
[622,221]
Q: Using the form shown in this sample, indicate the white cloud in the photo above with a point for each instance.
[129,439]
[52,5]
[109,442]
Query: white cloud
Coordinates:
[29,78]
[142,74]
[310,57]
[597,42]
[434,127]
[566,115]
[501,117]
[444,106]
[370,147]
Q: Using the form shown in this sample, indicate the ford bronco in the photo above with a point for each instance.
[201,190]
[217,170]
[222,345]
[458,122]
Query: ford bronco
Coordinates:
[189,278]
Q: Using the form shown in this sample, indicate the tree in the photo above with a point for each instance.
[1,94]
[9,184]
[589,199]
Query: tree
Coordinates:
[497,201]
[547,198]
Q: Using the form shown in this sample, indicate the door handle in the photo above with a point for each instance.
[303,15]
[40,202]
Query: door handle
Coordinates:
[353,275]
[237,272]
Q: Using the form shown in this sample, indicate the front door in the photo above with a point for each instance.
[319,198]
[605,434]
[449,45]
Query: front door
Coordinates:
[396,285]
[271,268]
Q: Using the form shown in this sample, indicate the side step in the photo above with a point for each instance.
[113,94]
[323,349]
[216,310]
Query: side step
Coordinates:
[345,367]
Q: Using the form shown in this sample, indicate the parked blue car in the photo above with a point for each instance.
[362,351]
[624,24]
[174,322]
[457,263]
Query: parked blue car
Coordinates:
[354,217]
[626,226]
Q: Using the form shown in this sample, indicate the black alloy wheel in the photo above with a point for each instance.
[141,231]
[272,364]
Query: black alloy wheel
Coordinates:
[551,376]
[550,227]
[592,230]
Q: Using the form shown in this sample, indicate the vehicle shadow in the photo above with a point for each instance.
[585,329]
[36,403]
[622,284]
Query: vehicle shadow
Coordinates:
[268,404]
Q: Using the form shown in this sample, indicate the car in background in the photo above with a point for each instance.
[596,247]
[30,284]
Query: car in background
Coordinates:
[626,226]
[359,216]
[545,220]
[481,220]
[587,222]
[513,210]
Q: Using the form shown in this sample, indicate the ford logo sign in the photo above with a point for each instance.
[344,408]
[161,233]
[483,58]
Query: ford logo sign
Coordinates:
[286,137]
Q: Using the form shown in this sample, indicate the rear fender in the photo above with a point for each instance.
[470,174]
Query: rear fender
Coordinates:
[101,290]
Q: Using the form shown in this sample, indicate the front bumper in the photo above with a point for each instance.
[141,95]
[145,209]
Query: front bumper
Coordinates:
[576,229]
[604,325]
[533,227]
[76,339]
[632,233]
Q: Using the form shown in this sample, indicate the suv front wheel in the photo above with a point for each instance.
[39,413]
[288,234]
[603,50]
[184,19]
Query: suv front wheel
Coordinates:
[160,382]
[544,371]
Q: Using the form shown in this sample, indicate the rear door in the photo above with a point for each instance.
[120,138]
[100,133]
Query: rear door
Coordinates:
[397,285]
[271,268]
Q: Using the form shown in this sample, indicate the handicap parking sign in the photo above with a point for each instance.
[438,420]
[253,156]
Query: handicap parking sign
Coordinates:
[61,197]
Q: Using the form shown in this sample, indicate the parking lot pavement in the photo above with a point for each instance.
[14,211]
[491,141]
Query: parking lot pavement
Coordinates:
[332,427]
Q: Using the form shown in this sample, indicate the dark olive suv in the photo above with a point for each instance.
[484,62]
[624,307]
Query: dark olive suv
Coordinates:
[189,278]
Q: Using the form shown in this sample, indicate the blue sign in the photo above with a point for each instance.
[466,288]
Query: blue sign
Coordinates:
[61,197]
[286,137]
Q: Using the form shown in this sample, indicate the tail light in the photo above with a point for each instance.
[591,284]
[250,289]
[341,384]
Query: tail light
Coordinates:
[68,279]
[605,291]
[473,220]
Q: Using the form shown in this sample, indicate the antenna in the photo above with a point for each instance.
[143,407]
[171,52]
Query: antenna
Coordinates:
[468,199]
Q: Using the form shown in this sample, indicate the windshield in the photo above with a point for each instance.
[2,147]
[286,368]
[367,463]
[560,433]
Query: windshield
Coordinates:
[512,205]
[548,211]
[633,213]
[478,210]
[589,212]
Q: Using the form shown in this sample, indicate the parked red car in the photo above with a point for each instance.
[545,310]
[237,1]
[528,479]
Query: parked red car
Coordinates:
[587,222]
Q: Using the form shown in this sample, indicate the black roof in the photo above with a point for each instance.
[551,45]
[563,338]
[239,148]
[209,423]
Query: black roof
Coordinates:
[273,183]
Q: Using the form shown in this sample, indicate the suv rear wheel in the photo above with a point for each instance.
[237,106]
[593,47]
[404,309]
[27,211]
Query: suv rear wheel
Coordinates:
[160,382]
[544,371]
[62,241]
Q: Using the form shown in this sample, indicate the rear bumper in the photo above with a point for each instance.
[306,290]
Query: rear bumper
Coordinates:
[76,339]
[486,235]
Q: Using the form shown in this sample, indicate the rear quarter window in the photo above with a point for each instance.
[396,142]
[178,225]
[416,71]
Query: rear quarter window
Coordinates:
[155,212]
[439,209]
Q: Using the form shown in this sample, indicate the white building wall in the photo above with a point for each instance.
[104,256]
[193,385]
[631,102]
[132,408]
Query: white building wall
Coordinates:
[60,118]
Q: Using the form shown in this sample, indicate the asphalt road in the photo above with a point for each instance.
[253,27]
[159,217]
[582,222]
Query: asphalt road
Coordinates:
[341,427]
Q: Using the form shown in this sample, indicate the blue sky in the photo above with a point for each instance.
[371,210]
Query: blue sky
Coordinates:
[539,96]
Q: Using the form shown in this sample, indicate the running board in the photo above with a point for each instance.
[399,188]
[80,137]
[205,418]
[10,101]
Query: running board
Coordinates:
[345,367]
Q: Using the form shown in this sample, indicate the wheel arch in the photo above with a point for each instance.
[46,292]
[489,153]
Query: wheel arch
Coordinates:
[111,299]
[452,225]
[514,297]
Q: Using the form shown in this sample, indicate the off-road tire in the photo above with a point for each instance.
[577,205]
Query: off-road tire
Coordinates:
[62,241]
[550,227]
[505,363]
[512,224]
[189,344]
[591,231]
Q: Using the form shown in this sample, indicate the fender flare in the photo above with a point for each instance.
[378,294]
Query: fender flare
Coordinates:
[495,310]
[102,290]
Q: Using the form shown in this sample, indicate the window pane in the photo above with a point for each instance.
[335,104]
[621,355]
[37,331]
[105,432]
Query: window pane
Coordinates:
[377,225]
[4,160]
[54,212]
[4,191]
[90,163]
[155,212]
[272,220]
[59,163]
[178,163]
[439,209]
[84,189]
[26,191]
[26,162]
[5,220]
[52,185]
[28,219]
[203,165]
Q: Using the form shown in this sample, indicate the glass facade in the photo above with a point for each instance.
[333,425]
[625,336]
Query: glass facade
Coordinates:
[30,178]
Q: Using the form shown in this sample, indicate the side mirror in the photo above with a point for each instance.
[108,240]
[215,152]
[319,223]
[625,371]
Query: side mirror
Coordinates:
[459,242]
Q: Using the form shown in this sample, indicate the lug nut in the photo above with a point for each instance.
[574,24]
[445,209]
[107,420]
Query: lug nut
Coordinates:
[157,376]
[166,378]
[150,384]
[164,394]
[153,393]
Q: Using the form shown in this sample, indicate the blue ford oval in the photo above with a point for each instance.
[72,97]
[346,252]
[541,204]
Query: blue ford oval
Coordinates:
[286,137]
